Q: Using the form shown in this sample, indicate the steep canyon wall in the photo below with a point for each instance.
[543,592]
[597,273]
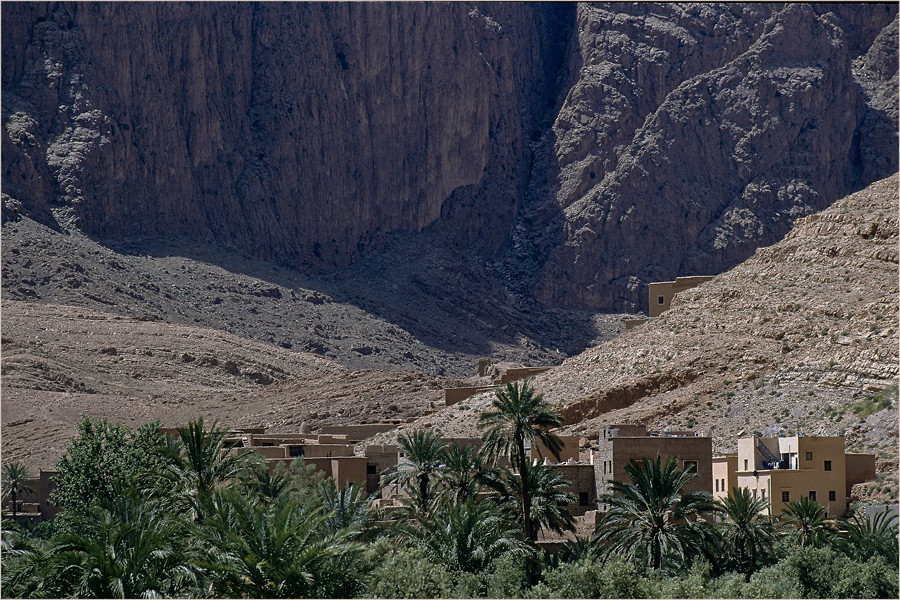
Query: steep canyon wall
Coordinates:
[297,132]
[595,147]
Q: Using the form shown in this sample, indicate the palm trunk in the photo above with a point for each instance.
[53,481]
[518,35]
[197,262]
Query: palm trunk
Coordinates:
[530,535]
[14,504]
[423,492]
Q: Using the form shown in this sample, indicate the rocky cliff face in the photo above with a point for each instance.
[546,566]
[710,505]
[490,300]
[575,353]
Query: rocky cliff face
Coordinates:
[694,134]
[596,147]
[298,132]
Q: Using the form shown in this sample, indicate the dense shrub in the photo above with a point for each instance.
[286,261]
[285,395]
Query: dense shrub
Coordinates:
[590,578]
[824,573]
[406,573]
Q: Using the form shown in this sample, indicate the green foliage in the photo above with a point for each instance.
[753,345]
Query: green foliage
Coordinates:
[468,536]
[861,538]
[199,462]
[520,415]
[506,577]
[104,456]
[14,476]
[805,522]
[590,578]
[407,573]
[423,453]
[127,546]
[269,485]
[652,520]
[698,582]
[549,494]
[278,550]
[346,508]
[463,473]
[873,403]
[748,535]
[128,532]
[21,557]
[810,572]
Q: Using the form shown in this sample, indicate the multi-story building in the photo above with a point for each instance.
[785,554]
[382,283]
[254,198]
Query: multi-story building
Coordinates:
[621,443]
[784,469]
[724,475]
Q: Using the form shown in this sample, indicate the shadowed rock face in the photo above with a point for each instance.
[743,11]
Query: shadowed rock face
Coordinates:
[670,158]
[298,132]
[594,148]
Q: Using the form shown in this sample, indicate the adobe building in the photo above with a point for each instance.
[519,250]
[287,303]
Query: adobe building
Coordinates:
[784,469]
[724,475]
[621,443]
[36,505]
[501,374]
[663,292]
[568,452]
[357,433]
[581,484]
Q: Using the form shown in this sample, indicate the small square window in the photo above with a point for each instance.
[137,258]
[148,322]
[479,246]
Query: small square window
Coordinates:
[371,469]
[662,300]
[690,466]
[785,496]
[832,495]
[827,465]
[812,494]
[809,456]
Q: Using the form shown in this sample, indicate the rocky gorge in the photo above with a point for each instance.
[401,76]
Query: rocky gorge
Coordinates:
[588,148]
[326,212]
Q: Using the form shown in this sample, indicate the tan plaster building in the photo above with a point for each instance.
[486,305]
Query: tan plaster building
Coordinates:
[663,292]
[621,443]
[784,469]
[724,475]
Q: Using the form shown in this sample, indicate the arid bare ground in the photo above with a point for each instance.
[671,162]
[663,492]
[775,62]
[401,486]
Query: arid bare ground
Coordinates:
[794,339]
[430,311]
[60,362]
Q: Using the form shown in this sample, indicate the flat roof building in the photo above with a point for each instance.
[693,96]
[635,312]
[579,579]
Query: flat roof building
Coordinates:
[621,443]
[784,469]
[661,293]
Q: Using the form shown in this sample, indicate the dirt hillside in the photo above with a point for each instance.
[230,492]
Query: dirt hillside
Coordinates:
[803,336]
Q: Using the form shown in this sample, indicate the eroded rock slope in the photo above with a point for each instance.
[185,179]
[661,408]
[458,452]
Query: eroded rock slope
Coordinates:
[800,337]
[694,134]
[595,147]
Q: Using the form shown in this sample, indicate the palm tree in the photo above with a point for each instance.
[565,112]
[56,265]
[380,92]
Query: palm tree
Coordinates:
[268,484]
[347,507]
[807,521]
[22,560]
[422,454]
[463,474]
[14,477]
[652,520]
[203,463]
[747,533]
[549,497]
[861,538]
[468,536]
[281,550]
[128,546]
[519,416]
